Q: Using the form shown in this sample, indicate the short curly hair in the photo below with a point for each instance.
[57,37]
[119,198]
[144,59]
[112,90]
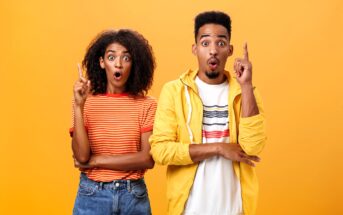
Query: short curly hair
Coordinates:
[143,61]
[212,17]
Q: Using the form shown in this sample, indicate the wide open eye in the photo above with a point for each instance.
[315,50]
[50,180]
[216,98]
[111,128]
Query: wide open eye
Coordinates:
[110,57]
[221,43]
[204,43]
[126,58]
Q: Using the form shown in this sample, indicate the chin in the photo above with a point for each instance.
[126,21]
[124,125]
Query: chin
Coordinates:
[212,74]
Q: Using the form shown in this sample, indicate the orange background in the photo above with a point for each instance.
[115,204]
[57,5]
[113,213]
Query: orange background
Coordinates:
[296,49]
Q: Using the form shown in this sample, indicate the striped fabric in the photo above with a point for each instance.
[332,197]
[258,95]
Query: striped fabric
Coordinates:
[215,123]
[114,123]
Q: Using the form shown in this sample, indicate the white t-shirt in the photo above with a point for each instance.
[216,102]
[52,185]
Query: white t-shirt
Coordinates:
[216,189]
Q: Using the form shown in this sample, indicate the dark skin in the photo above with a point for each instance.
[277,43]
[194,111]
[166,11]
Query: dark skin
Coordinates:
[131,161]
[83,158]
[80,143]
[213,41]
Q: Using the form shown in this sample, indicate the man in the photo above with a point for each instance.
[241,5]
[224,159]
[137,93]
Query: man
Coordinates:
[209,128]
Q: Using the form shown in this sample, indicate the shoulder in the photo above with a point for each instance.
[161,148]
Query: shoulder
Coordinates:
[172,86]
[149,100]
[145,100]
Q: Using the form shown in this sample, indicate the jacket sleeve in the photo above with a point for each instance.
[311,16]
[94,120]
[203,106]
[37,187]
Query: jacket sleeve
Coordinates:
[252,130]
[165,149]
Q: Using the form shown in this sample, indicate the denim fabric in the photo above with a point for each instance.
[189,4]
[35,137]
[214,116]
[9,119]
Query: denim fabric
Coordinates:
[120,197]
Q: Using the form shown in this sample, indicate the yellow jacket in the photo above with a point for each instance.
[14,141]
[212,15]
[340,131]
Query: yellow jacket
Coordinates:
[178,119]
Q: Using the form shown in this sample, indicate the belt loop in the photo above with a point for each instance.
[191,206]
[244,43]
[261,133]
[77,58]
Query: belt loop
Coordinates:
[101,184]
[129,185]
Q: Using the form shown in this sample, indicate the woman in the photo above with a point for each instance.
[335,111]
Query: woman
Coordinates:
[112,122]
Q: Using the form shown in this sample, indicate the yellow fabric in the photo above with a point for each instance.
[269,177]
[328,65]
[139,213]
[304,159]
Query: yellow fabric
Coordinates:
[170,139]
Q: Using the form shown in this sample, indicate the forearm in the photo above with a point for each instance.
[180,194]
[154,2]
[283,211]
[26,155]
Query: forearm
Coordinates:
[131,161]
[249,105]
[252,130]
[80,142]
[200,152]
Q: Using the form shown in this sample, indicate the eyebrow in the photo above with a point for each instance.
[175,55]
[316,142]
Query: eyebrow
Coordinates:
[220,36]
[115,51]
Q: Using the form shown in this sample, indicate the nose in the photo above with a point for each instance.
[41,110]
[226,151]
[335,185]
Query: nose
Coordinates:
[118,63]
[213,50]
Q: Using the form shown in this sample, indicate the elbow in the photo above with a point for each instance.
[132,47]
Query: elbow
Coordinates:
[157,159]
[83,159]
[253,147]
[253,138]
[149,163]
[81,154]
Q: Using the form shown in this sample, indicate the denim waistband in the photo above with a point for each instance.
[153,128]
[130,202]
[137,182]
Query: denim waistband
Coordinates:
[111,185]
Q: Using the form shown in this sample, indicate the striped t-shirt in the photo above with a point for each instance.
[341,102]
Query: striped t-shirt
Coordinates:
[216,189]
[114,123]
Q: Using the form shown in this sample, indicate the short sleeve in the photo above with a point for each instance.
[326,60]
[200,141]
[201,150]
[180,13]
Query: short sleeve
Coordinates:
[148,117]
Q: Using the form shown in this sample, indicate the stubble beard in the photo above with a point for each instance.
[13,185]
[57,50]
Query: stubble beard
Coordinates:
[212,74]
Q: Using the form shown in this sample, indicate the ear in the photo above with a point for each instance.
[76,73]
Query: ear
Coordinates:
[102,64]
[230,50]
[194,49]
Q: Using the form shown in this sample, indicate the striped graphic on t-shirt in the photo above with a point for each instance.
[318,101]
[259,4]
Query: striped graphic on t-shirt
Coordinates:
[114,124]
[215,123]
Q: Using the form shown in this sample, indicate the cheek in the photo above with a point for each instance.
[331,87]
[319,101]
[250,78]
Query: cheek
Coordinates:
[201,55]
[107,65]
[108,73]
[202,52]
[224,55]
[128,66]
[128,69]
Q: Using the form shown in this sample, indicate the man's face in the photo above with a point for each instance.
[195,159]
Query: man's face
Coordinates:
[212,49]
[117,63]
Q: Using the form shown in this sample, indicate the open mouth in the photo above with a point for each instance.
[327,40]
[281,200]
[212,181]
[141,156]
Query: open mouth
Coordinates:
[117,75]
[213,63]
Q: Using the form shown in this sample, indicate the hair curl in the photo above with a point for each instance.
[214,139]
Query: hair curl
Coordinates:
[143,61]
[212,17]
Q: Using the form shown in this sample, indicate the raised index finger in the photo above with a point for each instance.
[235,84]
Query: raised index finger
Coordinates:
[245,52]
[80,71]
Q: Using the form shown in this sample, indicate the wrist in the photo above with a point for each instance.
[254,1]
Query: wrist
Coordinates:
[93,162]
[218,149]
[78,107]
[246,86]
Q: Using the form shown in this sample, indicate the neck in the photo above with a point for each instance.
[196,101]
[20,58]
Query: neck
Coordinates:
[114,90]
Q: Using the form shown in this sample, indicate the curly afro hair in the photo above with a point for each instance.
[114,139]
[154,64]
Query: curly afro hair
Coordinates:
[212,17]
[143,61]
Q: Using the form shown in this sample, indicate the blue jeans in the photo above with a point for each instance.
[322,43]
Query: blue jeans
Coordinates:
[120,197]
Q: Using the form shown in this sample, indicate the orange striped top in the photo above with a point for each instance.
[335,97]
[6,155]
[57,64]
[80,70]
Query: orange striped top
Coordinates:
[114,123]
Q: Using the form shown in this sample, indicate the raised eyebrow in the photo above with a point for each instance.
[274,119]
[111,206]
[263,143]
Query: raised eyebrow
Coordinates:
[125,52]
[222,36]
[204,35]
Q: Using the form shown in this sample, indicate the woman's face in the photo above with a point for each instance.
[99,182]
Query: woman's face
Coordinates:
[117,62]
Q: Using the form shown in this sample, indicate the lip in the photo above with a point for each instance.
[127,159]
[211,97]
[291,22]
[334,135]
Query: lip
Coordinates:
[117,77]
[213,63]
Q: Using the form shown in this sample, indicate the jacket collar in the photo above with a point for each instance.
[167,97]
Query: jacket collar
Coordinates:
[188,78]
